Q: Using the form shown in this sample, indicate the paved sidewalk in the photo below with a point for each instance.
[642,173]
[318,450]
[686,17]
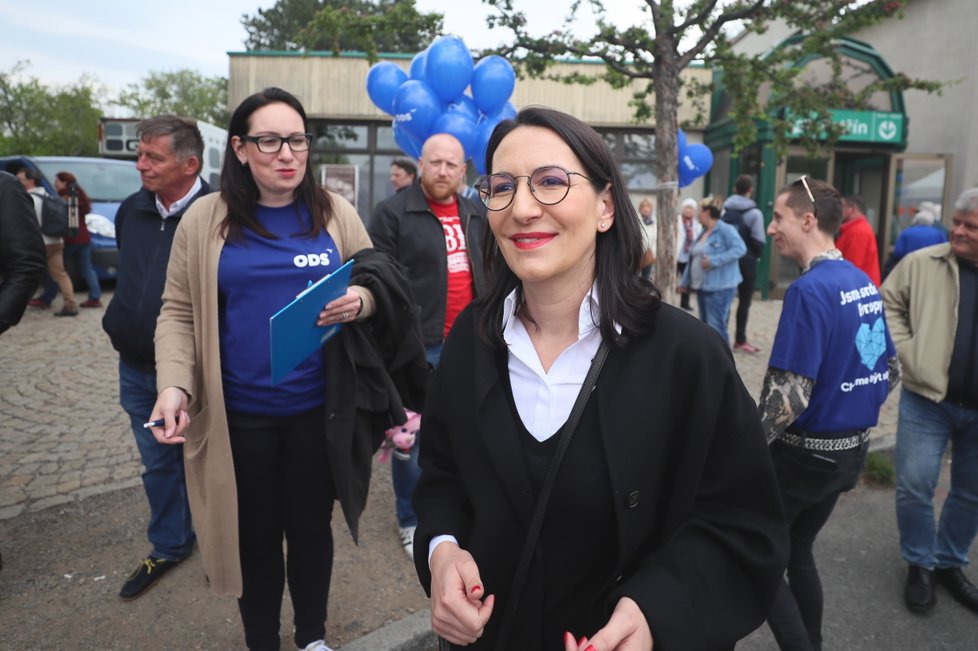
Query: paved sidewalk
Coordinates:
[63,436]
[64,442]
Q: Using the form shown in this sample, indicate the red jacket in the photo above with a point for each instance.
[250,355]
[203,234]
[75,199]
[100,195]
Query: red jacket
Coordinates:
[857,241]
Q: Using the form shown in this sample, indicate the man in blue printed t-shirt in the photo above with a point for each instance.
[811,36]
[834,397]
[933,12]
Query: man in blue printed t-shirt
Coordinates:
[832,366]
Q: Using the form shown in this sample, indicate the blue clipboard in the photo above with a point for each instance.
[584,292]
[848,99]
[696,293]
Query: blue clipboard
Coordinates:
[293,330]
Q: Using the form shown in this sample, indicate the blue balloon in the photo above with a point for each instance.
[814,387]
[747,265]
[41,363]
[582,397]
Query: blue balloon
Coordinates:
[694,161]
[408,144]
[383,80]
[493,80]
[463,104]
[508,112]
[484,130]
[681,139]
[459,125]
[416,71]
[448,67]
[416,107]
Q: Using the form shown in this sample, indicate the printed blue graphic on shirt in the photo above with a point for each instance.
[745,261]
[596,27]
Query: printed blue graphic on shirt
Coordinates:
[871,343]
[833,330]
[256,277]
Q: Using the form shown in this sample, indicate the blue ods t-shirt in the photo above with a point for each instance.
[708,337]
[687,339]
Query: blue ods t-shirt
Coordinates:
[832,329]
[256,277]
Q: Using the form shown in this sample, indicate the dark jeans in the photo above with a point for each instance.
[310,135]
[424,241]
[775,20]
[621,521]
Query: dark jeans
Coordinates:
[405,470]
[683,297]
[170,530]
[284,488]
[811,483]
[745,292]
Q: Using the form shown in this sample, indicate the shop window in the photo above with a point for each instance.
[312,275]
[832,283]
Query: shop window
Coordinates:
[917,181]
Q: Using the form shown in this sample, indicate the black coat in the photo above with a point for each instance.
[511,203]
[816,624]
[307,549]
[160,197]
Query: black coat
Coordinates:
[376,369]
[404,226]
[702,542]
[23,257]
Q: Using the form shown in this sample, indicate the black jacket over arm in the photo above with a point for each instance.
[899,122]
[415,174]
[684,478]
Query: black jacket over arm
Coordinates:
[701,537]
[23,257]
[376,368]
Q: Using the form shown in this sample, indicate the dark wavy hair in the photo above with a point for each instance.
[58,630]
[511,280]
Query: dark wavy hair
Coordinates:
[238,188]
[84,203]
[625,298]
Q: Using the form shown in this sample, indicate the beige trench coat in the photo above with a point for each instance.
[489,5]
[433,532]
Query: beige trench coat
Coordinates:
[188,356]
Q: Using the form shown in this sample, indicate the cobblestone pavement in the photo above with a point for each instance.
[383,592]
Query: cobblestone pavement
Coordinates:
[63,435]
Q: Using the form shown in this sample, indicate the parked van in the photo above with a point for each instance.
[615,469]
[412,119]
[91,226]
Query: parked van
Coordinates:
[117,139]
[107,183]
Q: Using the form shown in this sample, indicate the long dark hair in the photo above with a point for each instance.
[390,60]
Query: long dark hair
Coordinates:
[238,188]
[625,298]
[84,203]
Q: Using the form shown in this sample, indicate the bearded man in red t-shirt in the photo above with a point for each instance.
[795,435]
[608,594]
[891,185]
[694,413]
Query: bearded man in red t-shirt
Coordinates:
[438,235]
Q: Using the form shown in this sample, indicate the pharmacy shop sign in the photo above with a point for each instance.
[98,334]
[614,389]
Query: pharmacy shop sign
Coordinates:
[877,127]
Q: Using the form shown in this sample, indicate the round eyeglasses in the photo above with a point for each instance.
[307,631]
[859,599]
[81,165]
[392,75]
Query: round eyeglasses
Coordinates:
[549,185]
[273,144]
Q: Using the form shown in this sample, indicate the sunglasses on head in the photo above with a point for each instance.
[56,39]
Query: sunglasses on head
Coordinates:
[803,180]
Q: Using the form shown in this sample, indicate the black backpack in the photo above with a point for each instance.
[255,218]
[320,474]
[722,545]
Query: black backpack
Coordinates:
[56,218]
[735,218]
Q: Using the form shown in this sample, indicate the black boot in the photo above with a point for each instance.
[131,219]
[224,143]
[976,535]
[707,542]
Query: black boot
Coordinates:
[963,590]
[919,591]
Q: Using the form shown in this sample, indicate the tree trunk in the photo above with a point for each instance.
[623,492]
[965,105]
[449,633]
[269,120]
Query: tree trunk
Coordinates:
[666,163]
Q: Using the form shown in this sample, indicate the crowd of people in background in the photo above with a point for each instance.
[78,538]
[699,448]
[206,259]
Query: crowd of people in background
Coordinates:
[514,314]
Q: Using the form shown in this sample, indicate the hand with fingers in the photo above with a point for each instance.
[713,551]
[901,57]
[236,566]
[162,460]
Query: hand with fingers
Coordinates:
[171,406]
[626,630]
[458,611]
[342,310]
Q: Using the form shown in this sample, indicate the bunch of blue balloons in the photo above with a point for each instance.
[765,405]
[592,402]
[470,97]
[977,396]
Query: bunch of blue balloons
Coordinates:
[694,160]
[431,98]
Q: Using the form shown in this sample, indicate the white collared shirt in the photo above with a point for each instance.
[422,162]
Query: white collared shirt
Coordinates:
[179,204]
[544,399]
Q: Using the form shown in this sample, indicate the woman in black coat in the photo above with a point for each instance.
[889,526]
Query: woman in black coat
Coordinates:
[664,524]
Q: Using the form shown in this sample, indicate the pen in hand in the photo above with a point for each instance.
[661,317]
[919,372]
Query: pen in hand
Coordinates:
[158,422]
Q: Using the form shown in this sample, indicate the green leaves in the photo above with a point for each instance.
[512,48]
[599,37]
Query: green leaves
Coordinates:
[41,120]
[370,26]
[182,92]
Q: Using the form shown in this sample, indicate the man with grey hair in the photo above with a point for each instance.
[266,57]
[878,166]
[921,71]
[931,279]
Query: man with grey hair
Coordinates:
[931,301]
[169,159]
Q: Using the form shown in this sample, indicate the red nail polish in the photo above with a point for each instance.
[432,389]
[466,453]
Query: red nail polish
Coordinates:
[476,588]
[590,647]
[568,638]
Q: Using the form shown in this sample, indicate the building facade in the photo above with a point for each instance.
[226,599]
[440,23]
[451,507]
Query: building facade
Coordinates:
[354,138]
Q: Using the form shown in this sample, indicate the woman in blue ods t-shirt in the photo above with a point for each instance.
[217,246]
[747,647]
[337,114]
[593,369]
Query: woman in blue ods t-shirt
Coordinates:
[256,452]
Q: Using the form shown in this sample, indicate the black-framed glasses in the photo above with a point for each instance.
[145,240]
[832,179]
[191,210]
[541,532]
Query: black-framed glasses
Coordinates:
[273,144]
[803,179]
[549,185]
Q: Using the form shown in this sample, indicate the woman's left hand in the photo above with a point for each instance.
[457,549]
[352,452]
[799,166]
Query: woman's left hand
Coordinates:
[342,310]
[627,630]
[705,262]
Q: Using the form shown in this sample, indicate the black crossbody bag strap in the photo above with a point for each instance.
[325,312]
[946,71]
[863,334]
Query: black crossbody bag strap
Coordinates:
[533,535]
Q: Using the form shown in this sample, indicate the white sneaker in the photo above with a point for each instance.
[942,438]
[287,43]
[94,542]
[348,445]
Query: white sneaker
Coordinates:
[318,645]
[407,540]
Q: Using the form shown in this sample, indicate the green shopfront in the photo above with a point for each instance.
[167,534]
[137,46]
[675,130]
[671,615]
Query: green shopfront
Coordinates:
[868,160]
